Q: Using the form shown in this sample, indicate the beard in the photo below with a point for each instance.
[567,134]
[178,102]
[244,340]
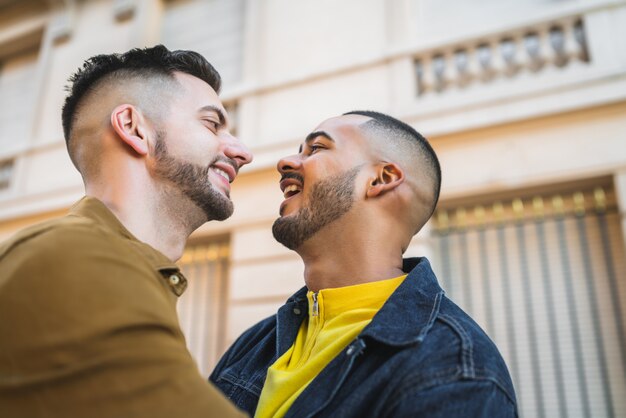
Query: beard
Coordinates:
[330,199]
[193,181]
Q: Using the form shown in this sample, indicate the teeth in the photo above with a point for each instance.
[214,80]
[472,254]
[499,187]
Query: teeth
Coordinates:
[290,188]
[222,173]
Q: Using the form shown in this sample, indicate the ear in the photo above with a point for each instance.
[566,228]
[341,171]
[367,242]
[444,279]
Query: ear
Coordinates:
[388,177]
[129,125]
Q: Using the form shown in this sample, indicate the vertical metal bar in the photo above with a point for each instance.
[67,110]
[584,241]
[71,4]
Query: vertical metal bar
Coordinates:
[479,214]
[482,243]
[464,275]
[191,333]
[197,307]
[508,306]
[593,300]
[444,250]
[572,308]
[221,300]
[530,317]
[215,299]
[444,245]
[549,301]
[610,271]
[205,328]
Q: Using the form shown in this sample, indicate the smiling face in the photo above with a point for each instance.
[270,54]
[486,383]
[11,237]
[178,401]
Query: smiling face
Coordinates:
[194,152]
[319,183]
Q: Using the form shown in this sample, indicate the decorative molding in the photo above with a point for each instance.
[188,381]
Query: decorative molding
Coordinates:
[21,36]
[124,9]
[62,20]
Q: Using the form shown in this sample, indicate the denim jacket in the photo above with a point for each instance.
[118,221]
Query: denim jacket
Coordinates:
[420,356]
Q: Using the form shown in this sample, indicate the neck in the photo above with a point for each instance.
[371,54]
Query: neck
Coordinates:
[357,255]
[146,213]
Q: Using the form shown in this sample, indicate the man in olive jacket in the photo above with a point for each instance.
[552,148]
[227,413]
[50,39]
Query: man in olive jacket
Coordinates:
[88,324]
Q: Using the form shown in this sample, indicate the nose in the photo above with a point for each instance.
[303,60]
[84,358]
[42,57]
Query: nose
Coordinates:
[289,163]
[236,150]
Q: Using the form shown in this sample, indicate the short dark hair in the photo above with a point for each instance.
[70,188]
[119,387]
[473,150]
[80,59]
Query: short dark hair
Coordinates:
[398,129]
[154,61]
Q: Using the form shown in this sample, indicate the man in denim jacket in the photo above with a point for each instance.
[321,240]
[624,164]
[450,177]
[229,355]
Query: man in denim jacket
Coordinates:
[371,334]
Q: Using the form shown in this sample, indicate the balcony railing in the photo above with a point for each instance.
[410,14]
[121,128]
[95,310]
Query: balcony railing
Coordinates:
[554,44]
[6,174]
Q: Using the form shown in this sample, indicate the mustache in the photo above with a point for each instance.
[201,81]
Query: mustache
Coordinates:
[290,175]
[226,160]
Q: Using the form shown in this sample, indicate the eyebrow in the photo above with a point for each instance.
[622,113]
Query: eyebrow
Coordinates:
[217,110]
[310,137]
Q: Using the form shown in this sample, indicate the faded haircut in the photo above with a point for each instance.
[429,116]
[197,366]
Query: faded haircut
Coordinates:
[147,63]
[404,135]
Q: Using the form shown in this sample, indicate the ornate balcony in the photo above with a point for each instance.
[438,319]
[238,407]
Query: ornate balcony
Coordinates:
[505,55]
[558,61]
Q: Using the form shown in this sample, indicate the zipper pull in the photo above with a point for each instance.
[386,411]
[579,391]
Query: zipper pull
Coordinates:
[316,307]
[356,347]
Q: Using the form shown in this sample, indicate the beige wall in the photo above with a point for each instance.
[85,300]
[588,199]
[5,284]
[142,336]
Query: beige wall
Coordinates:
[289,65]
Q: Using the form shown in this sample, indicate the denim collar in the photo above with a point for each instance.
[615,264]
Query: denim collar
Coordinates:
[410,311]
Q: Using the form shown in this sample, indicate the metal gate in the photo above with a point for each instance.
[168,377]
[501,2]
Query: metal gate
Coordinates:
[545,277]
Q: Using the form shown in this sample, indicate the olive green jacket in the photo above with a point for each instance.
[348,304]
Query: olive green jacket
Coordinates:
[88,325]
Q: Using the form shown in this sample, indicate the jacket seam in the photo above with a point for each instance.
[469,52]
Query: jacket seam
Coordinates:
[434,313]
[412,390]
[251,388]
[467,347]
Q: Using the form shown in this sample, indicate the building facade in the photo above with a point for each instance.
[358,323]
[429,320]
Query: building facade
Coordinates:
[523,100]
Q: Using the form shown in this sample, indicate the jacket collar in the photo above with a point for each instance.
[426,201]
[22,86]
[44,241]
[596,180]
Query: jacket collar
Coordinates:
[410,311]
[299,296]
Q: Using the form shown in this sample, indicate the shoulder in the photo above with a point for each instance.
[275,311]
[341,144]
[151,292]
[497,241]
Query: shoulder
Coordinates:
[56,238]
[456,351]
[480,356]
[464,398]
[456,370]
[67,242]
[75,279]
[71,256]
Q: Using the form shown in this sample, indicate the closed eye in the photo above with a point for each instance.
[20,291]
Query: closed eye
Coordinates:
[314,148]
[213,125]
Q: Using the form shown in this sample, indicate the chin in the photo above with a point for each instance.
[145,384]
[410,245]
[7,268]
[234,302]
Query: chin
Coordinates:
[286,214]
[288,211]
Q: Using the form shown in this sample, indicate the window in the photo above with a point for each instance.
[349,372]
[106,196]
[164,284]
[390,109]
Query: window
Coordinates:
[202,308]
[16,101]
[22,25]
[212,28]
[232,108]
[544,276]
